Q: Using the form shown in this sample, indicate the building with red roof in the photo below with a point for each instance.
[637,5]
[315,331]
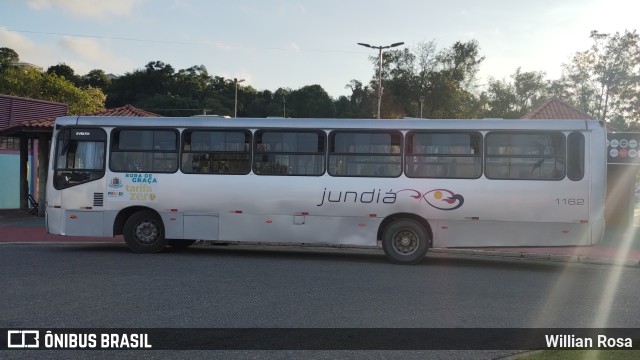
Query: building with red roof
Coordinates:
[25,124]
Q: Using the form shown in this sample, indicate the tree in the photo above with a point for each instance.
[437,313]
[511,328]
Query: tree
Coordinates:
[96,78]
[281,103]
[259,104]
[446,78]
[309,102]
[192,83]
[65,71]
[604,81]
[31,83]
[7,56]
[159,77]
[451,82]
[362,102]
[512,100]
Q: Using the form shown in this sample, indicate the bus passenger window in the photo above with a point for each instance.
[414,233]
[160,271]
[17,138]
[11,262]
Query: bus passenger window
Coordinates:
[144,150]
[440,154]
[365,153]
[216,152]
[575,156]
[526,155]
[289,152]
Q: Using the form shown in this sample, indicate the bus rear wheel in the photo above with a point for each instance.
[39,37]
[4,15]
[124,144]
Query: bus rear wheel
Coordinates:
[405,242]
[144,232]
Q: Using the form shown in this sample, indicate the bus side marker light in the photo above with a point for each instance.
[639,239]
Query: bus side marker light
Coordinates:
[73,216]
[362,225]
[269,221]
[565,231]
[373,215]
[445,227]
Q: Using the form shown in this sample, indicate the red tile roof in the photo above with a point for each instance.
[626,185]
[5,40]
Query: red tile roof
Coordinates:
[38,123]
[14,110]
[126,110]
[46,124]
[555,108]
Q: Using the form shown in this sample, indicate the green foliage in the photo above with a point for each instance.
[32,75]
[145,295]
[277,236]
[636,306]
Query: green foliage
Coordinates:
[65,71]
[512,100]
[309,102]
[96,78]
[7,56]
[31,83]
[445,78]
[604,81]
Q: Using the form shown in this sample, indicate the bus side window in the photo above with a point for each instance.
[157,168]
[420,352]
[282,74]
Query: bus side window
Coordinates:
[575,156]
[443,154]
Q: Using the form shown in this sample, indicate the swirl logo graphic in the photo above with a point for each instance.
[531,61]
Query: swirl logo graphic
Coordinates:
[441,199]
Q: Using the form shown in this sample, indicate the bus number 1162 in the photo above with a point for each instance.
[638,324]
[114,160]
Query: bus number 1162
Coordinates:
[569,202]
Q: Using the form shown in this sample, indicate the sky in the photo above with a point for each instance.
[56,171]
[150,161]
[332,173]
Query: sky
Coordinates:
[294,43]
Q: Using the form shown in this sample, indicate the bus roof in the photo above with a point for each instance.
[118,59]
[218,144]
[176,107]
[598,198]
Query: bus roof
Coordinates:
[323,123]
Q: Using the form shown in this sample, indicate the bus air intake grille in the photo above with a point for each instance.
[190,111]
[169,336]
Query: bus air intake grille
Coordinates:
[98,199]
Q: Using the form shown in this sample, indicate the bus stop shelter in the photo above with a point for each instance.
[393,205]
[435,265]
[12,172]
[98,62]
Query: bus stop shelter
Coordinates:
[31,121]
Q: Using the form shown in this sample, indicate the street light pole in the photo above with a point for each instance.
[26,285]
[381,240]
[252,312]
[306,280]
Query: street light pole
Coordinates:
[235,107]
[380,67]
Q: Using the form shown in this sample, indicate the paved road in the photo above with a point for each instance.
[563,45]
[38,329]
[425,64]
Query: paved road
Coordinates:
[105,285]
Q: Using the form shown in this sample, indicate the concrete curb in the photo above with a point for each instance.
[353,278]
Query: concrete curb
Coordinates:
[541,256]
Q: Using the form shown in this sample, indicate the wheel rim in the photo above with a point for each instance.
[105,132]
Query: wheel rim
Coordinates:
[147,232]
[405,242]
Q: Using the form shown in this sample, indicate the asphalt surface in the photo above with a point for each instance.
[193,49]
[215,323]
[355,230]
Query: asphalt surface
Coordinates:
[57,281]
[105,285]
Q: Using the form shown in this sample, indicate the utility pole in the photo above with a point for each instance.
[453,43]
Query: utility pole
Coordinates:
[380,67]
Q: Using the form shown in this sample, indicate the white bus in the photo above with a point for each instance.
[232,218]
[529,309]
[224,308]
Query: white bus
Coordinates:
[408,184]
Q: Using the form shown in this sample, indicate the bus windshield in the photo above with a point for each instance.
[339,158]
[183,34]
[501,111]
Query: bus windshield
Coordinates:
[80,155]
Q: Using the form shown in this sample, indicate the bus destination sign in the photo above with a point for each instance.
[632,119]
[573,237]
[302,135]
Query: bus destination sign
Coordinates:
[623,148]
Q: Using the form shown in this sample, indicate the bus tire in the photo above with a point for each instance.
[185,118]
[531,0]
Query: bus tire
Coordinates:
[405,242]
[144,232]
[180,244]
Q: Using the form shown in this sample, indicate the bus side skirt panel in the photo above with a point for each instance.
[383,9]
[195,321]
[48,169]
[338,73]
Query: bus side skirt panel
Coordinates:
[511,234]
[84,223]
[334,230]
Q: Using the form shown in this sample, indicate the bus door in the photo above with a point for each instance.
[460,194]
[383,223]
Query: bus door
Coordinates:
[79,169]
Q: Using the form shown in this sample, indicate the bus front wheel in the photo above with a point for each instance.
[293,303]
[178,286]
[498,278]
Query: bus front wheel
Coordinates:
[144,232]
[405,241]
